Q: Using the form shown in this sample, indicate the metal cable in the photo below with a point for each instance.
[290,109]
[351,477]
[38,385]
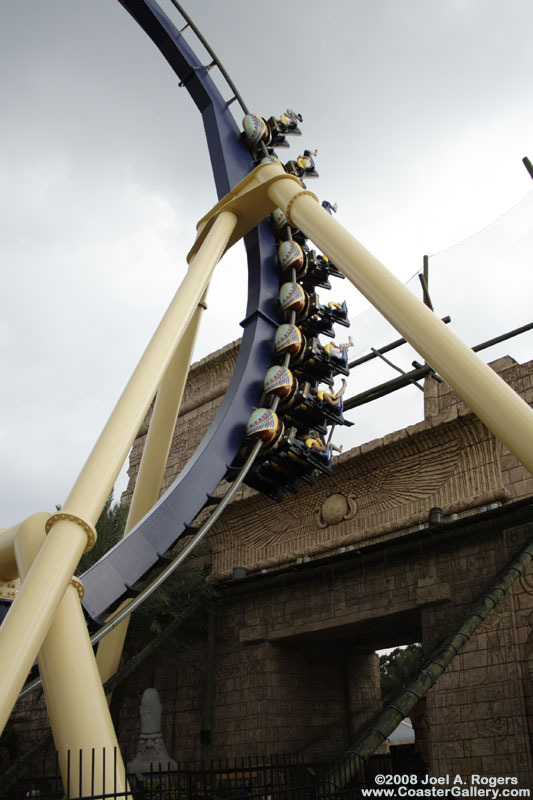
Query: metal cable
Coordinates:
[170,568]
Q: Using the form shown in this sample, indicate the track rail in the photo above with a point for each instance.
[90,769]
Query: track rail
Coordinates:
[216,62]
[148,590]
[108,582]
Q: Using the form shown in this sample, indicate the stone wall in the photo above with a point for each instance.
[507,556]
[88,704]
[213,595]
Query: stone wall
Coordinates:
[179,676]
[478,721]
[324,622]
[381,489]
[351,565]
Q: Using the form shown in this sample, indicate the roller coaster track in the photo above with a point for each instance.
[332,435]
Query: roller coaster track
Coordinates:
[109,581]
[45,617]
[112,579]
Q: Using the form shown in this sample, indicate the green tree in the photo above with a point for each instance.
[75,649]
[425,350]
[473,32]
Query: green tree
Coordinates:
[109,530]
[398,668]
[180,601]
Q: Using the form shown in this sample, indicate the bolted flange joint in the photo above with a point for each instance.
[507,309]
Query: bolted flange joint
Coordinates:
[293,199]
[78,585]
[87,526]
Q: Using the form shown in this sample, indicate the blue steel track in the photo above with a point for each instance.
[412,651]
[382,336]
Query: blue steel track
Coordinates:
[107,582]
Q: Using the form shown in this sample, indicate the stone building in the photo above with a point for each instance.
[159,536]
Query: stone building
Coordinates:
[310,588]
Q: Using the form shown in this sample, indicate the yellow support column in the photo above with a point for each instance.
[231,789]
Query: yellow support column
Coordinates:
[162,425]
[152,468]
[30,616]
[8,564]
[76,703]
[105,461]
[495,403]
[27,622]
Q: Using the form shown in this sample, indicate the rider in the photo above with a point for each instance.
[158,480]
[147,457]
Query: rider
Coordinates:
[331,398]
[339,351]
[330,207]
[290,119]
[307,162]
[314,442]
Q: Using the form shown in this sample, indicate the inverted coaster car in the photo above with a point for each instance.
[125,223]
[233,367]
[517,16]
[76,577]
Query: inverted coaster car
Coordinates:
[292,256]
[318,271]
[272,471]
[312,315]
[282,226]
[320,318]
[318,365]
[304,165]
[309,409]
[301,452]
[288,122]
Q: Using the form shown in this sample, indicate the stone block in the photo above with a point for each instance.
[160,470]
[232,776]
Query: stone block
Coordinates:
[271,701]
[478,658]
[450,749]
[395,436]
[253,634]
[524,488]
[497,764]
[372,445]
[432,594]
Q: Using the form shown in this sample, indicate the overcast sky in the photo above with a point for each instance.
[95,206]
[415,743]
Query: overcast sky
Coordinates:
[421,112]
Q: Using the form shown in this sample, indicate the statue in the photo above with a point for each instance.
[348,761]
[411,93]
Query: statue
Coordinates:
[151,751]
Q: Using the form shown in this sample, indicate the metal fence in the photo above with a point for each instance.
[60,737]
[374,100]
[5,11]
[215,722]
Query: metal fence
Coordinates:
[276,777]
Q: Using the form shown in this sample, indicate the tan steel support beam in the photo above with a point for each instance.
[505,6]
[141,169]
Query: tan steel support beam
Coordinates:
[163,423]
[29,618]
[27,622]
[71,530]
[152,468]
[103,465]
[76,703]
[8,564]
[495,403]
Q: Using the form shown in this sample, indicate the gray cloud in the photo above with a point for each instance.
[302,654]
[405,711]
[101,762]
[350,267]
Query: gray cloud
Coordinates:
[420,115]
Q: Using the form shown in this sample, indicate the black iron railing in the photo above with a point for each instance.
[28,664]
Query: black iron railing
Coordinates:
[276,777]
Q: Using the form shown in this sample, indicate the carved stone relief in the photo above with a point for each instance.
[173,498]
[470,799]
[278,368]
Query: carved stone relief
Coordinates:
[151,751]
[372,493]
[335,509]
